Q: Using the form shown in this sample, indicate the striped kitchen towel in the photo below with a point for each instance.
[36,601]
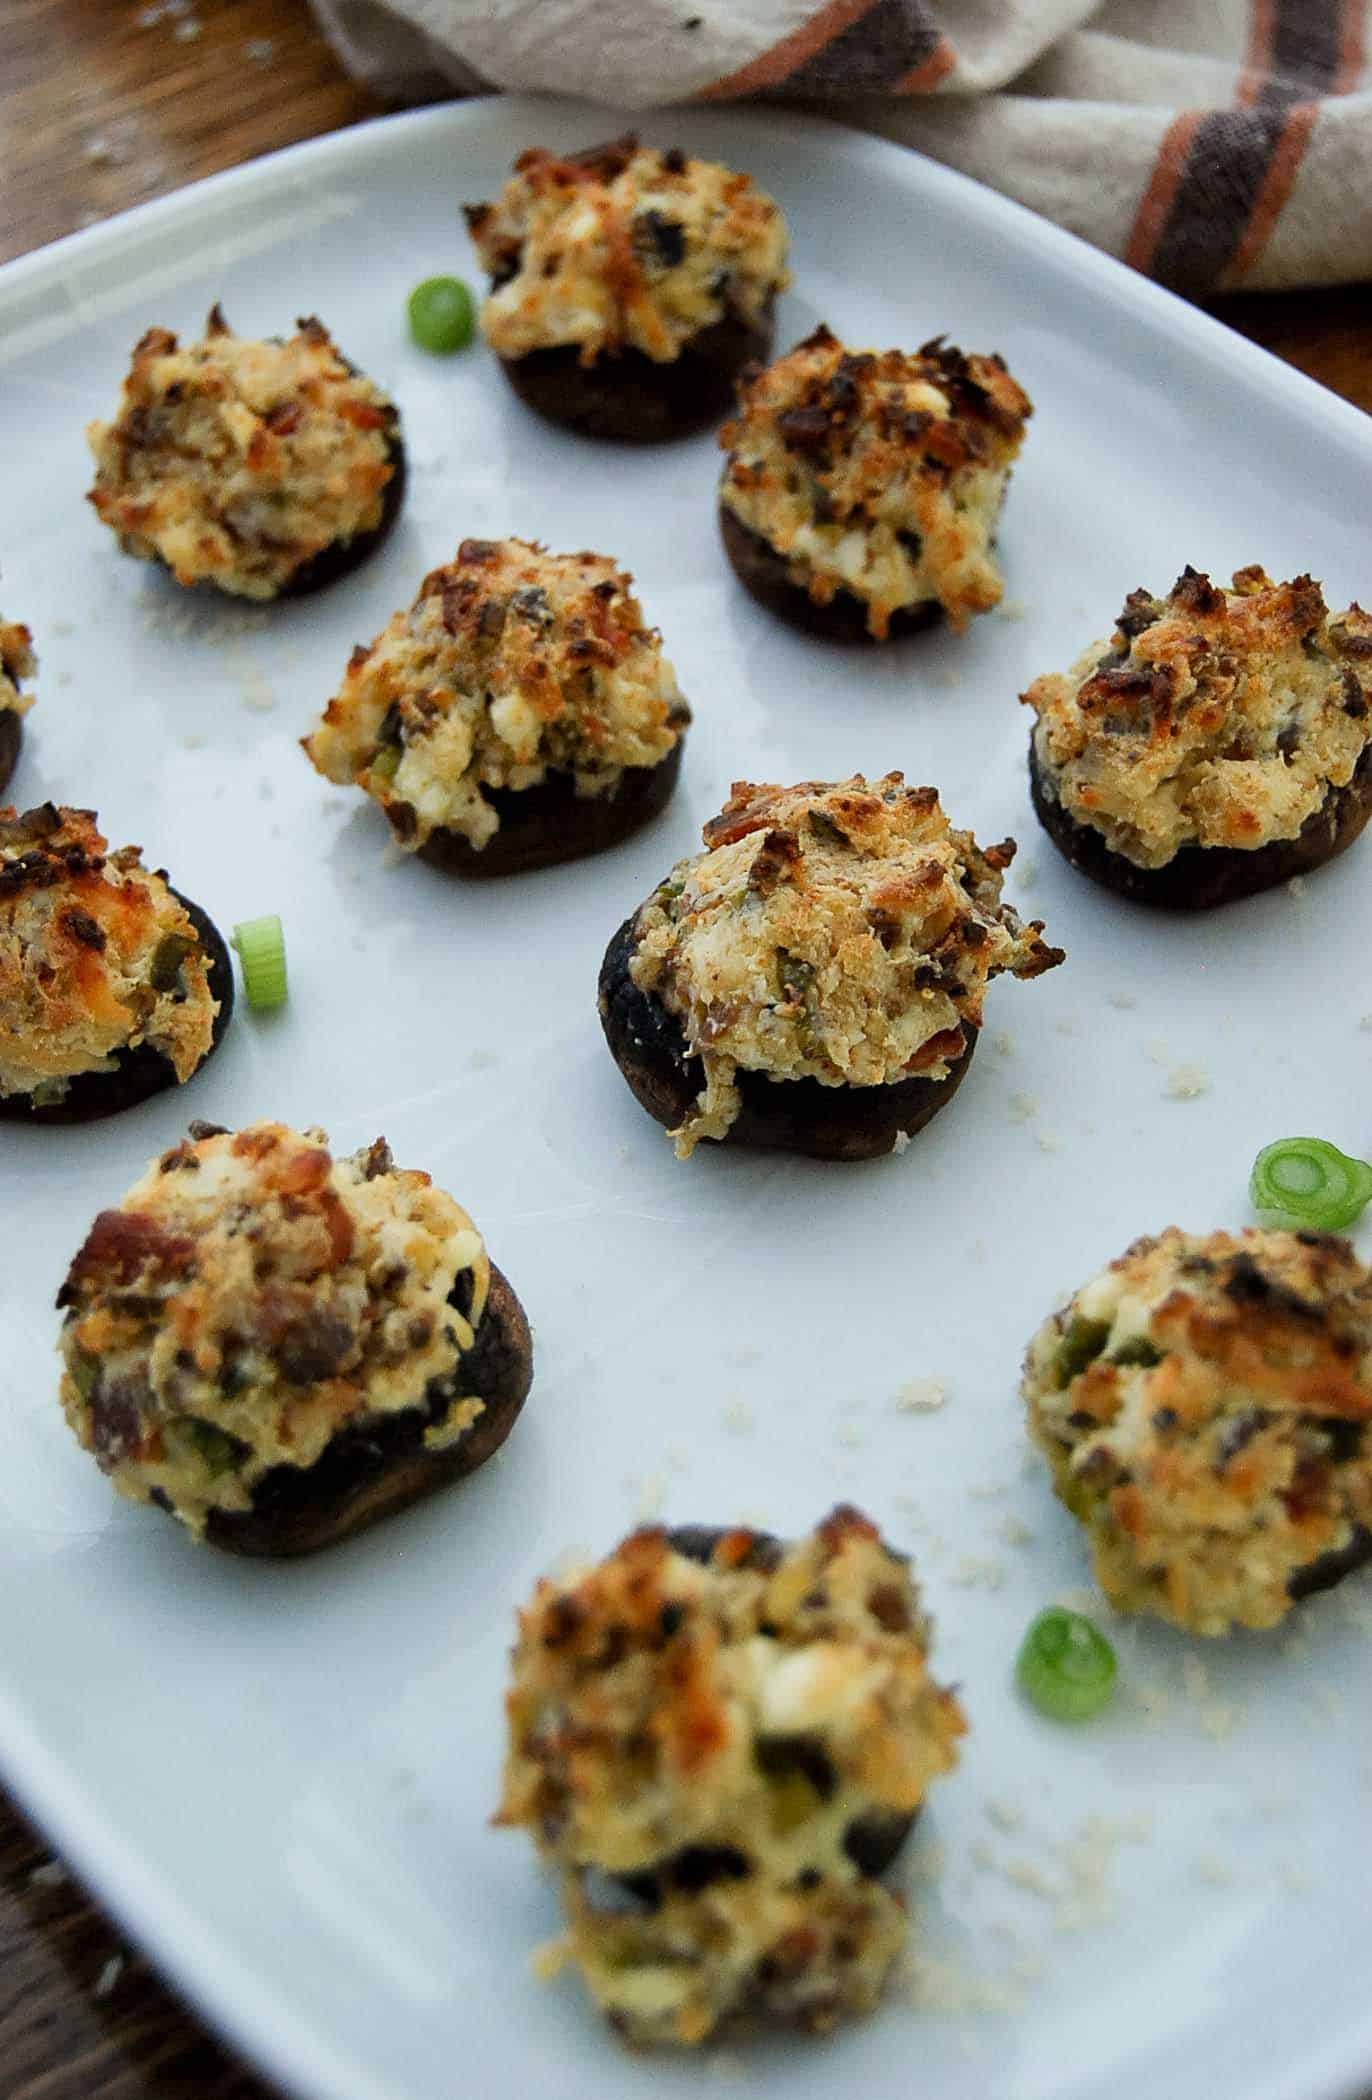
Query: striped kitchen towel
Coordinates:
[1211,143]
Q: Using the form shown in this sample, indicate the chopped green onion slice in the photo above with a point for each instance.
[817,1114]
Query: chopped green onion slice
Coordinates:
[1066,1665]
[1308,1185]
[442,315]
[262,952]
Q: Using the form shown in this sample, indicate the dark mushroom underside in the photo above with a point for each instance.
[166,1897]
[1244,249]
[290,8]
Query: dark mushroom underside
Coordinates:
[629,397]
[1322,1574]
[380,1466]
[548,823]
[871,1841]
[11,737]
[785,1115]
[141,1072]
[766,574]
[1199,877]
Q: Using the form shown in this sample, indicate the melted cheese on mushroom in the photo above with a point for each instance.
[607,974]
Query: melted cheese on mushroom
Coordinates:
[624,247]
[512,663]
[96,956]
[878,473]
[723,1728]
[17,662]
[1210,717]
[1205,1405]
[236,461]
[844,933]
[251,1297]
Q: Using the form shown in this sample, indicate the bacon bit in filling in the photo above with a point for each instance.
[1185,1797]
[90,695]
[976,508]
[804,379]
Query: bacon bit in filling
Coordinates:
[1205,1405]
[512,663]
[624,247]
[250,1298]
[839,932]
[878,473]
[709,1738]
[235,462]
[1210,717]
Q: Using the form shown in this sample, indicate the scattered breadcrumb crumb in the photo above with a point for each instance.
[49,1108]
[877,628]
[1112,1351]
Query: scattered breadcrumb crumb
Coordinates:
[952,676]
[1012,609]
[1003,1043]
[738,1417]
[851,1436]
[651,1497]
[1022,1107]
[1187,1082]
[1014,1530]
[1296,887]
[1048,1141]
[978,1572]
[1209,1867]
[921,1396]
[1002,1815]
[1123,1000]
[550,1957]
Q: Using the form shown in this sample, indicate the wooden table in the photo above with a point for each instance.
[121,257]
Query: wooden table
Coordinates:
[107,102]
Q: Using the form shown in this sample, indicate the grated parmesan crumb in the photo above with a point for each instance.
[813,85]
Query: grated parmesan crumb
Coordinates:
[1296,887]
[1187,1082]
[1012,609]
[902,1139]
[1022,1107]
[1048,1141]
[1003,1043]
[921,1396]
[1014,1530]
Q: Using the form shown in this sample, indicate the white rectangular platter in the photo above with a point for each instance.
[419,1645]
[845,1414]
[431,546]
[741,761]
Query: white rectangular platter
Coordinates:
[280,1777]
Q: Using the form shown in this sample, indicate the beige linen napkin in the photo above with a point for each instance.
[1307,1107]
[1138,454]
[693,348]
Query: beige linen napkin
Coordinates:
[1210,143]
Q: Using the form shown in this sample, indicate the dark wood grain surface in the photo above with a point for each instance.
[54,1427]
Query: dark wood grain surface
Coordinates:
[104,103]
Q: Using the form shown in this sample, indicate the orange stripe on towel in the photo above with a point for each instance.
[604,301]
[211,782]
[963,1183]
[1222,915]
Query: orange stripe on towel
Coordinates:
[1156,201]
[779,60]
[929,72]
[1277,183]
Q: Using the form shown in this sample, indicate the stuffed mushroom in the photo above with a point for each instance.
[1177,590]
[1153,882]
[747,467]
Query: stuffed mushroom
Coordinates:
[1205,1407]
[1218,743]
[862,489]
[266,468]
[520,713]
[17,662]
[813,982]
[719,1742]
[280,1347]
[628,286]
[112,984]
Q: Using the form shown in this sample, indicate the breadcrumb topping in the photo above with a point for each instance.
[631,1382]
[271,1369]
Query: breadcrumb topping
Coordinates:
[249,1298]
[843,932]
[878,473]
[234,461]
[624,247]
[1204,1405]
[708,1733]
[17,662]
[1210,717]
[96,956]
[512,663]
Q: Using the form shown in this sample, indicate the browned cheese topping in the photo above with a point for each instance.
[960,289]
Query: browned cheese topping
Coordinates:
[1205,1405]
[1210,717]
[236,461]
[512,663]
[878,473]
[734,1736]
[840,932]
[250,1298]
[96,956]
[624,247]
[17,662]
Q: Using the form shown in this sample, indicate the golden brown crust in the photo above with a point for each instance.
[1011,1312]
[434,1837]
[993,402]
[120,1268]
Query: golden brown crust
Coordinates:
[97,956]
[1212,718]
[250,1299]
[712,1718]
[239,462]
[879,474]
[17,662]
[511,665]
[624,248]
[870,930]
[1205,1405]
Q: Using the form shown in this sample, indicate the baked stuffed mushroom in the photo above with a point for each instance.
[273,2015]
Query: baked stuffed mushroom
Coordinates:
[628,287]
[1218,743]
[813,982]
[1205,1406]
[718,1742]
[279,1347]
[112,984]
[519,713]
[862,488]
[17,662]
[264,468]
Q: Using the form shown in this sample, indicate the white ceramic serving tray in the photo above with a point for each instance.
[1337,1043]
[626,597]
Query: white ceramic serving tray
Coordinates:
[279,1778]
